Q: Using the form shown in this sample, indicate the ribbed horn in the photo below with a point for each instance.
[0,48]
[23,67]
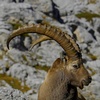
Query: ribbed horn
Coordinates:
[44,38]
[40,39]
[65,41]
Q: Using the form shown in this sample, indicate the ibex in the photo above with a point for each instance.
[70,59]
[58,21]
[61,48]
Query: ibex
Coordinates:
[66,74]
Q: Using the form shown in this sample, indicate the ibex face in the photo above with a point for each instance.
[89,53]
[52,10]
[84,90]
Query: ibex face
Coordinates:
[78,74]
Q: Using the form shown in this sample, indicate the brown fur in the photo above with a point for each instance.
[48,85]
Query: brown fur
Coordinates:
[59,84]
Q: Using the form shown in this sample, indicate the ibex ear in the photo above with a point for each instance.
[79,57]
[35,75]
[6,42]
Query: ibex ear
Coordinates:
[57,62]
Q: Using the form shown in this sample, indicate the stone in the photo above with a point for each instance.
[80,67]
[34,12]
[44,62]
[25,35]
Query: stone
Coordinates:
[11,94]
[27,74]
[83,36]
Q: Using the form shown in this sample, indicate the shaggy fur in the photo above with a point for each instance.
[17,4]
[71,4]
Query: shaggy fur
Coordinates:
[56,85]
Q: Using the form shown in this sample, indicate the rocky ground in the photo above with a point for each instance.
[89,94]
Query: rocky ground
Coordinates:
[22,71]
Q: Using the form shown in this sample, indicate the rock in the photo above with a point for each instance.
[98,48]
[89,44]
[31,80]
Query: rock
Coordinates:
[27,42]
[71,6]
[2,66]
[95,65]
[42,5]
[83,36]
[94,7]
[27,74]
[48,48]
[11,94]
[95,51]
[96,24]
[91,92]
[16,56]
[34,97]
[4,84]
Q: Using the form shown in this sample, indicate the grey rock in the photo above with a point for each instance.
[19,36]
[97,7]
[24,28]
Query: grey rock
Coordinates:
[96,24]
[16,56]
[95,65]
[31,76]
[83,36]
[2,66]
[95,87]
[94,7]
[4,84]
[48,53]
[11,94]
[96,51]
[27,42]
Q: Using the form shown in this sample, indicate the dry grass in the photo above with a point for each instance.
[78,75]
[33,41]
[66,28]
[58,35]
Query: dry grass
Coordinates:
[15,83]
[92,1]
[87,15]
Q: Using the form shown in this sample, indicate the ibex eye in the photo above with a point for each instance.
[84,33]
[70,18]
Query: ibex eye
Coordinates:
[76,66]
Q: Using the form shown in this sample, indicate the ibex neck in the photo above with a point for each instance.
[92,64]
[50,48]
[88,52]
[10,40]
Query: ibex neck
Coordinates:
[59,87]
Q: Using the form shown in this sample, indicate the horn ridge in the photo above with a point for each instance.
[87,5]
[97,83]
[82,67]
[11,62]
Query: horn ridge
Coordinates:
[73,42]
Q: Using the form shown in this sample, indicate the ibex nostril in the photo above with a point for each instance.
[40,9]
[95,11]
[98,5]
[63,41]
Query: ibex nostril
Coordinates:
[89,79]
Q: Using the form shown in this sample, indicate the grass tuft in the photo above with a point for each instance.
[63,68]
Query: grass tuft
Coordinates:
[87,15]
[15,83]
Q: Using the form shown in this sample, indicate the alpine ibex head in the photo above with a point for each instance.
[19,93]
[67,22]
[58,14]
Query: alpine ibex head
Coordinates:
[71,66]
[78,75]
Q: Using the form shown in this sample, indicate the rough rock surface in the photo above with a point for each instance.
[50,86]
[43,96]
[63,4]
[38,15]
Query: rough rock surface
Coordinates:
[11,94]
[18,62]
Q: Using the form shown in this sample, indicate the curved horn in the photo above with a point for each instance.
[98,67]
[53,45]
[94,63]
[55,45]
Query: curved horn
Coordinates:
[40,39]
[66,42]
[44,38]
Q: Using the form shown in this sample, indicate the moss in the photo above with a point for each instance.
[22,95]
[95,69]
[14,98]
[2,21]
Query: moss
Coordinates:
[93,72]
[92,1]
[93,57]
[15,83]
[7,66]
[16,23]
[39,57]
[24,58]
[16,26]
[1,57]
[1,54]
[0,68]
[87,15]
[45,68]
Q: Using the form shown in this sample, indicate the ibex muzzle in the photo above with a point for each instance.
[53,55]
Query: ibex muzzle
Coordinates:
[78,74]
[66,74]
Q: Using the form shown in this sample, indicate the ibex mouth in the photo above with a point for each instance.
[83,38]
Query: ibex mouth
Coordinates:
[81,86]
[84,83]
